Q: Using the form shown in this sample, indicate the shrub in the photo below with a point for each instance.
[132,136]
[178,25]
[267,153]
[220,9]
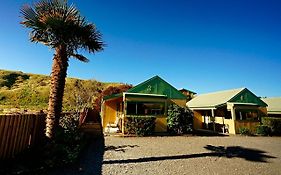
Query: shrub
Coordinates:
[263,130]
[141,126]
[110,90]
[67,144]
[245,131]
[179,120]
[273,123]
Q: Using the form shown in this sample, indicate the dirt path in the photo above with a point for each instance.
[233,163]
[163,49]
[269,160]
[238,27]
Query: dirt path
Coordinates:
[181,155]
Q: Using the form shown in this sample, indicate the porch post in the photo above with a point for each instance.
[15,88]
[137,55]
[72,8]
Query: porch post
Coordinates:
[124,113]
[223,128]
[103,113]
[213,115]
[233,118]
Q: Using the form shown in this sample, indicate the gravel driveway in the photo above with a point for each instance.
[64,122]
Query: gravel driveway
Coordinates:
[182,155]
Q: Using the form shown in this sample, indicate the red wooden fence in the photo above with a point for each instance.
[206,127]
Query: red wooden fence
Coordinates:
[20,131]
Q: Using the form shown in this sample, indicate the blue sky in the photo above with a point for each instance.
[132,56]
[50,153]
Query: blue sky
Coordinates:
[199,45]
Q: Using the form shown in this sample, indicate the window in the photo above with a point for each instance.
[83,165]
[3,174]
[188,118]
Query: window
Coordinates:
[131,108]
[145,108]
[246,114]
[223,112]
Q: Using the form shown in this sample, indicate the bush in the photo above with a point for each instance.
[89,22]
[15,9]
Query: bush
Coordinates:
[141,126]
[263,130]
[67,144]
[245,131]
[179,120]
[273,123]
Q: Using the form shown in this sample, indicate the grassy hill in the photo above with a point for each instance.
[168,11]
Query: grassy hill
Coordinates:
[22,91]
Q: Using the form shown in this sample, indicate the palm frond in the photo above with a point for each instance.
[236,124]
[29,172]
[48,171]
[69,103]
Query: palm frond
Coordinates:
[55,23]
[30,17]
[80,57]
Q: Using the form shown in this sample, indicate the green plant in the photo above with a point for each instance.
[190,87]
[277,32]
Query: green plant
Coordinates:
[263,130]
[69,133]
[140,125]
[245,131]
[179,120]
[273,123]
[67,144]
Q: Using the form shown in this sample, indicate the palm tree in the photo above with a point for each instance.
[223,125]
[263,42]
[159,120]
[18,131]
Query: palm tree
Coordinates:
[60,26]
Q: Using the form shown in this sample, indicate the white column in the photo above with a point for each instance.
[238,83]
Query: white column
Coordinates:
[233,118]
[213,116]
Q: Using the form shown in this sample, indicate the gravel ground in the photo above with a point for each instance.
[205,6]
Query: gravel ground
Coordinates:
[181,155]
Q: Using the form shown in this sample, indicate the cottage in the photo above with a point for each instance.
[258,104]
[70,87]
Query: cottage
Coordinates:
[227,111]
[150,98]
[274,106]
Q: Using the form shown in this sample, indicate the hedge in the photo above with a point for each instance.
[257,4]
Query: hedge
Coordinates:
[179,119]
[140,125]
[263,130]
[245,131]
[273,123]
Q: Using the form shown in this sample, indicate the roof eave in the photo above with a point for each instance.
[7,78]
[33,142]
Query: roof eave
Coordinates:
[274,112]
[113,96]
[146,95]
[202,108]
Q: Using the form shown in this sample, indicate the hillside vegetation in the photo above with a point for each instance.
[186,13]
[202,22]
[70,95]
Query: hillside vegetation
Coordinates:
[25,91]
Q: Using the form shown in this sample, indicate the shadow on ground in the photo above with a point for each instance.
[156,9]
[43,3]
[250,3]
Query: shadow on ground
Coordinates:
[122,148]
[205,132]
[216,151]
[90,162]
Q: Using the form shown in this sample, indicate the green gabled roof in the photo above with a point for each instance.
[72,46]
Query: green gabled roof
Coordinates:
[157,85]
[246,96]
[215,99]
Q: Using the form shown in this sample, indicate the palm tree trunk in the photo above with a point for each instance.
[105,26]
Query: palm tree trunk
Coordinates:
[59,71]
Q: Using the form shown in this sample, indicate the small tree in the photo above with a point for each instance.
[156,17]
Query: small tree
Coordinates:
[179,120]
[81,93]
[109,91]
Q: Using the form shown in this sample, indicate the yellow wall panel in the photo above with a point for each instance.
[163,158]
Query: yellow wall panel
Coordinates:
[197,120]
[161,124]
[109,113]
[181,103]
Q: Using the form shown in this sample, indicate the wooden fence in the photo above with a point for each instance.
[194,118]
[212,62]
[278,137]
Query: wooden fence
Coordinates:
[252,125]
[20,131]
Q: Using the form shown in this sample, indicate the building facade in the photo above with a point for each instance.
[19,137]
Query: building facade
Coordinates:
[149,98]
[227,111]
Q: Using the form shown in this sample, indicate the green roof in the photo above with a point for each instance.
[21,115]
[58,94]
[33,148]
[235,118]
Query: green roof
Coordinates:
[157,85]
[215,99]
[274,105]
[154,86]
